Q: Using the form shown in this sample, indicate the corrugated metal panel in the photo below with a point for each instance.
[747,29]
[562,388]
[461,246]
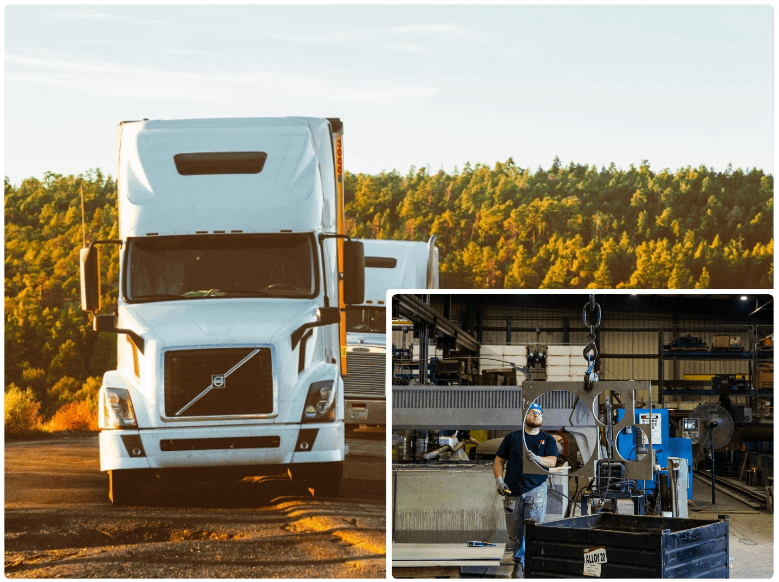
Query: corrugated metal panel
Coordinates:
[470,397]
[456,407]
[557,399]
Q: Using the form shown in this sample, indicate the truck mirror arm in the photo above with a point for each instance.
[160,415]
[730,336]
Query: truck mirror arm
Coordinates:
[325,316]
[107,324]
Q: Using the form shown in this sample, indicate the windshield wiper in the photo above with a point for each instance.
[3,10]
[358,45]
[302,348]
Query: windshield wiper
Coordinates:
[157,296]
[248,292]
[227,292]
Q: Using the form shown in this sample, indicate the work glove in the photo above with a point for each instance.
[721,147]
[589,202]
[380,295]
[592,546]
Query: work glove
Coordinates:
[533,457]
[502,488]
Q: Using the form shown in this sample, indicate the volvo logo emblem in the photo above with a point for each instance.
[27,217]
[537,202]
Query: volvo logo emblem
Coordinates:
[218,380]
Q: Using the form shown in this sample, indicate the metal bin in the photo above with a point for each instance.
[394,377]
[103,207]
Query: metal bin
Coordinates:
[627,546]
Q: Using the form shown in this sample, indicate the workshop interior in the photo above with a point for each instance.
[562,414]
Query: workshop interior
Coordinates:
[661,406]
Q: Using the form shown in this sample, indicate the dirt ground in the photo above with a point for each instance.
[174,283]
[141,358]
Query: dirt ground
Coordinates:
[59,522]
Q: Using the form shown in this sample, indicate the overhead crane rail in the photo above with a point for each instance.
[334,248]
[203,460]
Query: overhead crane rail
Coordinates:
[411,307]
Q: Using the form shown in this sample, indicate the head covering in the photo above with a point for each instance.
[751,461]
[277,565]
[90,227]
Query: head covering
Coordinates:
[537,407]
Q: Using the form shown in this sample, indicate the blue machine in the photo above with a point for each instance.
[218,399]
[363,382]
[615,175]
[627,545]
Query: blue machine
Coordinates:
[661,442]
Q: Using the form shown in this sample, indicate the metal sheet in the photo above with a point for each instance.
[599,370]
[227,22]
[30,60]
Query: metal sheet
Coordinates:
[442,563]
[446,504]
[467,407]
[453,553]
[640,469]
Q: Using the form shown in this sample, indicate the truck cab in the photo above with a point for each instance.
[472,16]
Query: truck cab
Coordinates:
[389,264]
[229,352]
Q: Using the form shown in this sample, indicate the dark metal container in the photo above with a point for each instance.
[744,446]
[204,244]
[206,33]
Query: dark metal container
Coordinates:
[636,546]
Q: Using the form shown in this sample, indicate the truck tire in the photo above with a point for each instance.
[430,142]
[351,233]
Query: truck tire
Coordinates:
[124,487]
[323,478]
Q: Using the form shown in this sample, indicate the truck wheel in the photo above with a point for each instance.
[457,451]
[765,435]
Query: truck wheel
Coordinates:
[323,478]
[124,487]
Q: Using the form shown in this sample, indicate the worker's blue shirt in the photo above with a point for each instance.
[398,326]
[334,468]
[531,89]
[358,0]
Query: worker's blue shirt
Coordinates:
[542,444]
[460,435]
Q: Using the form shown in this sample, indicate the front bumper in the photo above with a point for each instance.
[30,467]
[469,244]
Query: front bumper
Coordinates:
[233,446]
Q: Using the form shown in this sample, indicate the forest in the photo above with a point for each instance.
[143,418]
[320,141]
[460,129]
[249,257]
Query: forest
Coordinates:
[577,226]
[500,227]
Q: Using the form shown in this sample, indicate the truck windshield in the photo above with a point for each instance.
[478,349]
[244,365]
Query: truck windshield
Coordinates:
[366,319]
[234,265]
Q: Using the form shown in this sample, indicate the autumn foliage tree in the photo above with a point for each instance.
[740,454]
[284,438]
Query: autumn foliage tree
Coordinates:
[498,227]
[577,226]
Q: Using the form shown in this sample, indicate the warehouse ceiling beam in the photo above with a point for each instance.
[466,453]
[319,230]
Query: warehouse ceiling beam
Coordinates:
[411,307]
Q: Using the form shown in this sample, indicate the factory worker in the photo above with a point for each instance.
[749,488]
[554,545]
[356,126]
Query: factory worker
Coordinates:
[524,493]
[461,435]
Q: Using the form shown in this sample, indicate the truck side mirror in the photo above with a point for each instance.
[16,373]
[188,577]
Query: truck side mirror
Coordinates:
[354,272]
[90,279]
[104,323]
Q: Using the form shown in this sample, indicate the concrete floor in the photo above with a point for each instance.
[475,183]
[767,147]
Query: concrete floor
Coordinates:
[751,533]
[752,545]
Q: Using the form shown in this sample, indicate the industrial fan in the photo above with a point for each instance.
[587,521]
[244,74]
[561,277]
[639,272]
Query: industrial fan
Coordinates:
[711,427]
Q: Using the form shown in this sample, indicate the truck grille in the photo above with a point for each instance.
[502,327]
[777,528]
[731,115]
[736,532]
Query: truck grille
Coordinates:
[365,375]
[243,389]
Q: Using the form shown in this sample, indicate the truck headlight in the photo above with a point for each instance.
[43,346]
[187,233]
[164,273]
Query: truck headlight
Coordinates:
[320,404]
[118,409]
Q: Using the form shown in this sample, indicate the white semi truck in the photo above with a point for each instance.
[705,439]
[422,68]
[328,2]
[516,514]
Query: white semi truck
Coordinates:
[234,279]
[389,264]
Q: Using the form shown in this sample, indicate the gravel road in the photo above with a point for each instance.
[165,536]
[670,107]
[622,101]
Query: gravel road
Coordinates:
[59,522]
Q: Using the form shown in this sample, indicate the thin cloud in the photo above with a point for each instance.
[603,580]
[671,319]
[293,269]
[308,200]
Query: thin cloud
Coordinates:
[91,41]
[391,94]
[157,92]
[140,82]
[450,30]
[190,52]
[407,47]
[96,15]
[112,68]
[143,82]
[93,87]
[421,36]
[48,80]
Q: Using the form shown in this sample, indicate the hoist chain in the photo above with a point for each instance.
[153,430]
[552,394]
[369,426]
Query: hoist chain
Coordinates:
[591,349]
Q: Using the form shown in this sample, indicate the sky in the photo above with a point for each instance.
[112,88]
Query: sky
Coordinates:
[434,86]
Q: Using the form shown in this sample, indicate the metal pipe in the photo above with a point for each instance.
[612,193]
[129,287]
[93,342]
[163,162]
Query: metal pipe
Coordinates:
[713,479]
[435,453]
